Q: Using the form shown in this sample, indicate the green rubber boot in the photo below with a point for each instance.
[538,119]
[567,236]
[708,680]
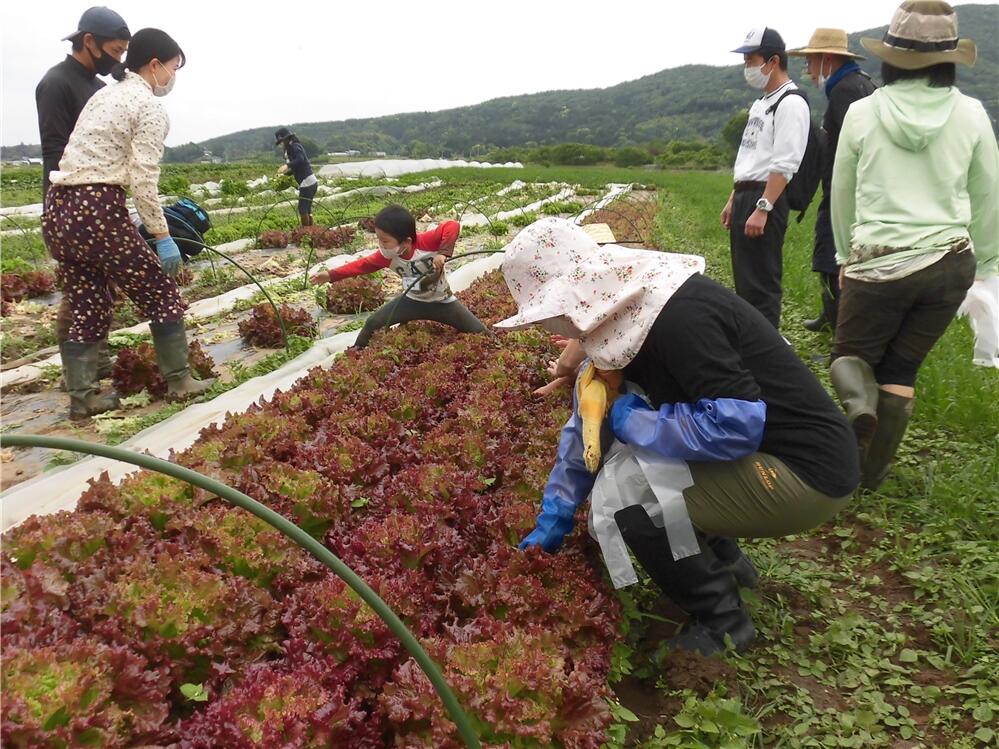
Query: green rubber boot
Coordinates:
[79,366]
[854,383]
[894,412]
[170,340]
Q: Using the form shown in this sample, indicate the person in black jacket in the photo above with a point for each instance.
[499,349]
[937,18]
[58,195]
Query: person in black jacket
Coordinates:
[300,168]
[98,44]
[833,68]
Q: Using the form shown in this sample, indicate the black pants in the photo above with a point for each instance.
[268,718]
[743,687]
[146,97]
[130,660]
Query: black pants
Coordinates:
[757,262]
[305,197]
[830,296]
[405,309]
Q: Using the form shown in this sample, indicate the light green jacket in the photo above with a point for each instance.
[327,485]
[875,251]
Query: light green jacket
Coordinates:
[917,168]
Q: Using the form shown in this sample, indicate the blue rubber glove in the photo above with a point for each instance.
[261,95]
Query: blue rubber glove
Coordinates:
[555,522]
[169,253]
[568,486]
[711,429]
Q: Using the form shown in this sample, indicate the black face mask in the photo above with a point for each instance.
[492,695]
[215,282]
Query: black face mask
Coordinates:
[103,64]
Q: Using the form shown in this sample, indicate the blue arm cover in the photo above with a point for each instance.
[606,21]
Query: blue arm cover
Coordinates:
[711,429]
[568,486]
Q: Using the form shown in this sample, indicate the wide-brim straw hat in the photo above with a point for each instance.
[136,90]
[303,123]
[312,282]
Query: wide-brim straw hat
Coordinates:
[826,42]
[922,33]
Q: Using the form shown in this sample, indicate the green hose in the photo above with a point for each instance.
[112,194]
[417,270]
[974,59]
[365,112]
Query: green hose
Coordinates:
[289,529]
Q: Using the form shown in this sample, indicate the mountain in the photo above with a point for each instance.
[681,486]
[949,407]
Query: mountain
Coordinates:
[693,101]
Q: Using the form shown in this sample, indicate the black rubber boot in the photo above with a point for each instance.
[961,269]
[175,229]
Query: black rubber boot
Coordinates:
[701,585]
[820,324]
[79,367]
[854,383]
[826,321]
[894,412]
[734,560]
[170,341]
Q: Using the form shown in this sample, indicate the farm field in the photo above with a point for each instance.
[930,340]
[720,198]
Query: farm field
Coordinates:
[155,615]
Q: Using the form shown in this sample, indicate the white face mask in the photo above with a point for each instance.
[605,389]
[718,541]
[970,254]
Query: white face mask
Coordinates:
[165,88]
[823,78]
[561,326]
[755,77]
[392,252]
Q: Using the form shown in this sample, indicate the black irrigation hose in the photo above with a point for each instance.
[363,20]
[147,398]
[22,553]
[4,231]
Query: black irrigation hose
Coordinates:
[277,312]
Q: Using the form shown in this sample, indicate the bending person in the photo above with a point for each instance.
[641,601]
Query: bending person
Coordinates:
[300,168]
[734,435]
[418,259]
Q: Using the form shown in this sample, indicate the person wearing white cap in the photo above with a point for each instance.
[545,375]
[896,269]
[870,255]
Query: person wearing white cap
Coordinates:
[834,69]
[772,148]
[728,430]
[915,212]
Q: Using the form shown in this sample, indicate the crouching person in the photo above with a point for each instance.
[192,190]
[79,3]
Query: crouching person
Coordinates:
[722,432]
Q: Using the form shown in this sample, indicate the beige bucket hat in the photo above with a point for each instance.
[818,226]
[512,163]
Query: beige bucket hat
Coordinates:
[826,42]
[922,33]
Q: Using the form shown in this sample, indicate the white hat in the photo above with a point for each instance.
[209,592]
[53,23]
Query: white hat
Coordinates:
[611,294]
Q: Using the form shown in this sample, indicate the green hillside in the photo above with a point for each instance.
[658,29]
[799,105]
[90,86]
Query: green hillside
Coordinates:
[693,101]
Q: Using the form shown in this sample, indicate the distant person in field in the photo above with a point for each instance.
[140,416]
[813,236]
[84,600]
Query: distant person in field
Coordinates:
[98,44]
[834,69]
[418,259]
[300,168]
[915,212]
[772,147]
[116,145]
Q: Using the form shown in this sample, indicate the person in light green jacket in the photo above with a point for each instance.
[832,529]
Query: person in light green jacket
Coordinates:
[915,212]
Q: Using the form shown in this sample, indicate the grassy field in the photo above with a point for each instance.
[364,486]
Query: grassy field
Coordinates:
[880,629]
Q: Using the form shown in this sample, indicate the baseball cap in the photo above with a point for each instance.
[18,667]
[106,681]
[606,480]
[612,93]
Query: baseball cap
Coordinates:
[101,21]
[761,38]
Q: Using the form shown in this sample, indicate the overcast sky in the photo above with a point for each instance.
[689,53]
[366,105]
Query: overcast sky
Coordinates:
[254,64]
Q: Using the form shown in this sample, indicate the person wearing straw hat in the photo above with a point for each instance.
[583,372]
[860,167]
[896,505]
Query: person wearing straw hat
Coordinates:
[834,69]
[733,434]
[915,212]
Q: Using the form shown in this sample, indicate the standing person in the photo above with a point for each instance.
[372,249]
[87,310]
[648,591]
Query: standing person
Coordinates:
[834,69]
[773,145]
[411,256]
[98,44]
[734,433]
[301,170]
[915,211]
[117,143]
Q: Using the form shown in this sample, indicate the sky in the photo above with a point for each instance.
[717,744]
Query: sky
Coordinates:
[257,64]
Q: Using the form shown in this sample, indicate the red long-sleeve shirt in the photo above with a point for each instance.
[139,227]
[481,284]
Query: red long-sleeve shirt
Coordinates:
[440,241]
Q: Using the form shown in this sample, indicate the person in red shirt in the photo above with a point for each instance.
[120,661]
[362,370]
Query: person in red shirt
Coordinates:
[418,260]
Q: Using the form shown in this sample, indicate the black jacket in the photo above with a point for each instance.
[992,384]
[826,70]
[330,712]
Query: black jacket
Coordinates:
[298,161]
[851,87]
[60,97]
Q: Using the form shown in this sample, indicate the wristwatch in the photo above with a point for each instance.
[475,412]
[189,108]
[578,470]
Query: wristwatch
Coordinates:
[764,205]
